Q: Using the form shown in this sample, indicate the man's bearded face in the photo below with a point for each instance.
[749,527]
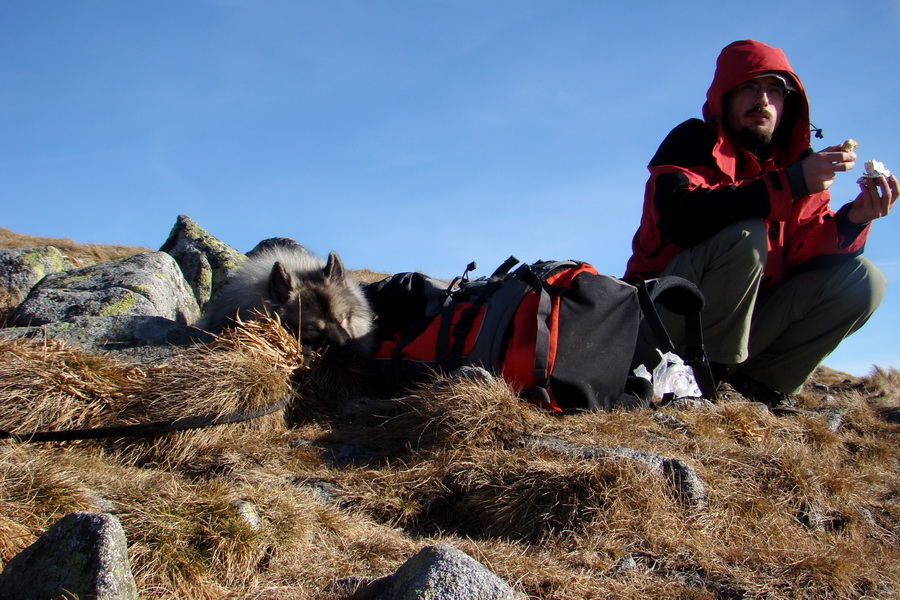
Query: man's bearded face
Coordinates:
[753,111]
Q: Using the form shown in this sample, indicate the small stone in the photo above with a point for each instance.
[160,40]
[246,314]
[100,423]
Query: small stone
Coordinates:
[247,513]
[473,373]
[444,573]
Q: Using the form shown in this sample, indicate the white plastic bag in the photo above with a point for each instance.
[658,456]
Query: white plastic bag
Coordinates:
[643,373]
[675,377]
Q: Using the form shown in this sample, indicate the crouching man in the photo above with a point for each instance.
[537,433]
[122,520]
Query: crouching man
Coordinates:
[738,203]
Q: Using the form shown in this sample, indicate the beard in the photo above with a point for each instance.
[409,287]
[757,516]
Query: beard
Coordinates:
[754,138]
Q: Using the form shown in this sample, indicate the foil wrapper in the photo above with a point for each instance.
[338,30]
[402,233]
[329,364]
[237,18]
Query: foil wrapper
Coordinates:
[874,169]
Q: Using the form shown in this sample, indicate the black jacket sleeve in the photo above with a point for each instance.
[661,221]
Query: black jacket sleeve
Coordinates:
[689,214]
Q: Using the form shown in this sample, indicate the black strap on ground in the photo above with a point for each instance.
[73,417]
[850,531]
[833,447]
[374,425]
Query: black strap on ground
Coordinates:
[146,429]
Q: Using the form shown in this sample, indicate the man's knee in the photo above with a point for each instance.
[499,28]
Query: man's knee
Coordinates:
[849,290]
[749,237]
[863,286]
[741,247]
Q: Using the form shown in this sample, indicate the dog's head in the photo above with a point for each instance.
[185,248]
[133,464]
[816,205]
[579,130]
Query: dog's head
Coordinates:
[320,306]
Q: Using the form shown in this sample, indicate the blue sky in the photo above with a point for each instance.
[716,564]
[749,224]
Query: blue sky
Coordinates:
[406,134]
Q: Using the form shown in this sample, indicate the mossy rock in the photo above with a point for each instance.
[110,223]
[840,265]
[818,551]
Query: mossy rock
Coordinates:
[22,268]
[205,261]
[83,555]
[148,284]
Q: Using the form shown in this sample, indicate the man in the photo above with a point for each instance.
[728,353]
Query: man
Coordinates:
[738,203]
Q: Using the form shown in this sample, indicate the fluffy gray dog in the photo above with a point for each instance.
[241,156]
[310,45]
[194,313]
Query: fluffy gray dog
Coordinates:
[311,296]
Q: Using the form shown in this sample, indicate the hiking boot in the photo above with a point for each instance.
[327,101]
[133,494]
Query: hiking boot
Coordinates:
[749,388]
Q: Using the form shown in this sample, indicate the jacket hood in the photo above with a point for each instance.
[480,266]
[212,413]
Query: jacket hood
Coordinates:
[737,63]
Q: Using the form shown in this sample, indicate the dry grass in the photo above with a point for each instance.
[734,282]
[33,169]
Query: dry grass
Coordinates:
[348,485]
[355,485]
[79,254]
[367,275]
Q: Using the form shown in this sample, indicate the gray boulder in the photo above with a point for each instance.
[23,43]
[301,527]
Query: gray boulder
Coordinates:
[83,555]
[148,285]
[22,268]
[139,337]
[445,573]
[687,485]
[204,260]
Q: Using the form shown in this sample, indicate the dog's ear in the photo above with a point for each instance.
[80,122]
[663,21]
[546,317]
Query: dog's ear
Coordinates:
[334,268]
[281,284]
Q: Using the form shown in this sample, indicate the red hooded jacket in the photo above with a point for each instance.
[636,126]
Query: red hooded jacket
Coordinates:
[700,181]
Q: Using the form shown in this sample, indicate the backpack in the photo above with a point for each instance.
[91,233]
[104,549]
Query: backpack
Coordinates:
[562,335]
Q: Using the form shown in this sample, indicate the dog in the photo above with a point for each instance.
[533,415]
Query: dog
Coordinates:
[313,298]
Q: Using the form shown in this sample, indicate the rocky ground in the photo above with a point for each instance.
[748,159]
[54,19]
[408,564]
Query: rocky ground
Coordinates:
[455,489]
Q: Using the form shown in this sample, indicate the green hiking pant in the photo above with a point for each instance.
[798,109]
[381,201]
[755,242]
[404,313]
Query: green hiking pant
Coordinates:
[777,334]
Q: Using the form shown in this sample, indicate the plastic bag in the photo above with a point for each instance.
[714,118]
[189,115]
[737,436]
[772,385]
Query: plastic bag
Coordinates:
[643,373]
[674,377]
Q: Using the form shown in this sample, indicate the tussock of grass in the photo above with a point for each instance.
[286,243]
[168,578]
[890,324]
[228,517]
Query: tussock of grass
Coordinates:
[351,485]
[48,386]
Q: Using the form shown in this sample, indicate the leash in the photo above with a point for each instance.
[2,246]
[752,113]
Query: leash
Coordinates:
[146,429]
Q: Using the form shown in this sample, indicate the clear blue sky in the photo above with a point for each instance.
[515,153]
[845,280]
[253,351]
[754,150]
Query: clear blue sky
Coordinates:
[406,134]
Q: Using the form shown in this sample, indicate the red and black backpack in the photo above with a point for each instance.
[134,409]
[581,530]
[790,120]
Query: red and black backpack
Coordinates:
[564,336]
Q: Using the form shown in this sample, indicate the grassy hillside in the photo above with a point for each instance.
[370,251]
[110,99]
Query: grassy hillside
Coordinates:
[79,254]
[346,485]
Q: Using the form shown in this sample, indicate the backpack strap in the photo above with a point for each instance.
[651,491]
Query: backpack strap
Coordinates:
[651,316]
[453,359]
[436,305]
[503,270]
[695,356]
[682,297]
[502,306]
[542,338]
[500,296]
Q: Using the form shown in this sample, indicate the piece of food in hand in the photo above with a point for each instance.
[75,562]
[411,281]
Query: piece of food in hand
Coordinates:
[874,169]
[849,145]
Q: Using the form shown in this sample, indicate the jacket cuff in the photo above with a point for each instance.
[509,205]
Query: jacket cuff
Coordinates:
[847,229]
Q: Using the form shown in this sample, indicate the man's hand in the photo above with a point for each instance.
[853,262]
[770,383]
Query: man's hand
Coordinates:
[820,168]
[876,199]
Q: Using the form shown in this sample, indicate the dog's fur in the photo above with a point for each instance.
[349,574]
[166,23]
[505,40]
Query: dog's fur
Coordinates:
[310,296]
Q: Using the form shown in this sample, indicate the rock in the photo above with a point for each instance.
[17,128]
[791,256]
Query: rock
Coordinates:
[673,423]
[324,492]
[357,588]
[276,242]
[247,513]
[693,404]
[445,573]
[204,260]
[474,373]
[688,486]
[83,555]
[625,564]
[136,336]
[343,454]
[148,284]
[22,268]
[835,419]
